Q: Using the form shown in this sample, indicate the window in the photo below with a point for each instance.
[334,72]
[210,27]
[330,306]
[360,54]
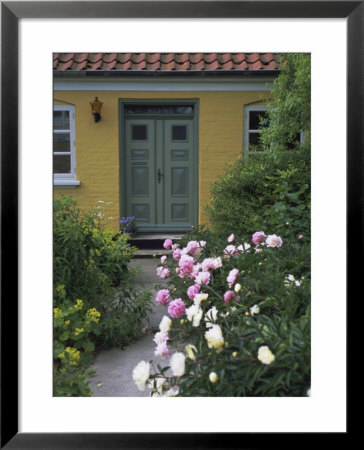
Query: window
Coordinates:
[64,158]
[252,117]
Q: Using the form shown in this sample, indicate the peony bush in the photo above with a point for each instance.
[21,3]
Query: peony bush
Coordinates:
[237,318]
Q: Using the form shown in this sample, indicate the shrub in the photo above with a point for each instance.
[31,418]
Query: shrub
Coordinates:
[90,263]
[272,189]
[88,259]
[244,329]
[267,191]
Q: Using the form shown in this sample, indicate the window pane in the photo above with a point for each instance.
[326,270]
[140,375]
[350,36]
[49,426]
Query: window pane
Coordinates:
[61,120]
[158,109]
[254,140]
[254,119]
[61,142]
[179,132]
[61,164]
[139,132]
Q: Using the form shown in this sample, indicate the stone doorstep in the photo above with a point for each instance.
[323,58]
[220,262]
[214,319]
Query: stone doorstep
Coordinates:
[152,244]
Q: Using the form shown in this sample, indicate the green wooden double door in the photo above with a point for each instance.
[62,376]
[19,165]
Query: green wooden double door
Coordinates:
[161,173]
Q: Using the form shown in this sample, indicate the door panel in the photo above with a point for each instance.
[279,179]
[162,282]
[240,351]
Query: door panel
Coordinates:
[178,142]
[140,164]
[160,173]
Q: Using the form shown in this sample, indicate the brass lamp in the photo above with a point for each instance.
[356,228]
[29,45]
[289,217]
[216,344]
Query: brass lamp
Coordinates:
[96,109]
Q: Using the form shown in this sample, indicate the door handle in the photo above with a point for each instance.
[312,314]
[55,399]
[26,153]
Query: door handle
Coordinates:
[159,175]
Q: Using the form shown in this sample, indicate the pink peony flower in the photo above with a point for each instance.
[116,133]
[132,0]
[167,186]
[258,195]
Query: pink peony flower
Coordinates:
[177,254]
[202,244]
[233,274]
[208,263]
[163,272]
[191,247]
[231,238]
[203,278]
[177,308]
[193,290]
[218,262]
[228,296]
[162,297]
[167,244]
[258,237]
[230,250]
[186,265]
[163,259]
[274,241]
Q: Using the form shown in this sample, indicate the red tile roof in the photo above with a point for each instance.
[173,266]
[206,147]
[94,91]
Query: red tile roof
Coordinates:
[164,62]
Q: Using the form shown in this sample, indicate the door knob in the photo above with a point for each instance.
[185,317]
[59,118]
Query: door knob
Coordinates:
[160,175]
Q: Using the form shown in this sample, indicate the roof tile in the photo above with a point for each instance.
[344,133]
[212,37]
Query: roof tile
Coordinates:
[154,62]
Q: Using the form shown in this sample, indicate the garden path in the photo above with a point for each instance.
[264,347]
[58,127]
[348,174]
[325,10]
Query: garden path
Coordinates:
[114,367]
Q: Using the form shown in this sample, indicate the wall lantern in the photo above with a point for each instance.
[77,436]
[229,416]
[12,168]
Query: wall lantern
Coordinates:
[96,109]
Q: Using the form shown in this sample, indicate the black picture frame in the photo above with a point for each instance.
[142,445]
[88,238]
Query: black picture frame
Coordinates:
[11,12]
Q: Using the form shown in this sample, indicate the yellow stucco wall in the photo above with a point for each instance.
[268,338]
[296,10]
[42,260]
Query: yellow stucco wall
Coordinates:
[221,123]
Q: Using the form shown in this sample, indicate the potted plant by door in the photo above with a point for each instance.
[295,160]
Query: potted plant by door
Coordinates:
[128,225]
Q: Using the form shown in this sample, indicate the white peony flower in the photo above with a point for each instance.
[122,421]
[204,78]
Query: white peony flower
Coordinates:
[141,374]
[177,362]
[291,279]
[243,247]
[274,241]
[265,355]
[157,386]
[161,337]
[194,314]
[200,298]
[214,337]
[172,392]
[254,310]
[211,316]
[165,324]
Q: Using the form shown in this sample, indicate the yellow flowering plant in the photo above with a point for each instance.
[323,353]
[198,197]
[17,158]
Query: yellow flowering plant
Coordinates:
[75,327]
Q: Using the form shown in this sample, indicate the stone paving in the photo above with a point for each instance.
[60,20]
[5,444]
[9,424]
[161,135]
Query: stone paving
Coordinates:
[114,367]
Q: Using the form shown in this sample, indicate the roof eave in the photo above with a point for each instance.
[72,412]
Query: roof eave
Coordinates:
[159,73]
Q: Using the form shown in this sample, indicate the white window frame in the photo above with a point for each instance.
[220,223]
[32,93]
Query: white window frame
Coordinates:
[247,131]
[67,179]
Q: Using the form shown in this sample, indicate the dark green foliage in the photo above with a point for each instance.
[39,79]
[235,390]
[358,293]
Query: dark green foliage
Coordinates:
[121,324]
[272,189]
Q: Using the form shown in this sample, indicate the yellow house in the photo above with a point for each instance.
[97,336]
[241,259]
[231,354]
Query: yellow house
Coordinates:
[148,133]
